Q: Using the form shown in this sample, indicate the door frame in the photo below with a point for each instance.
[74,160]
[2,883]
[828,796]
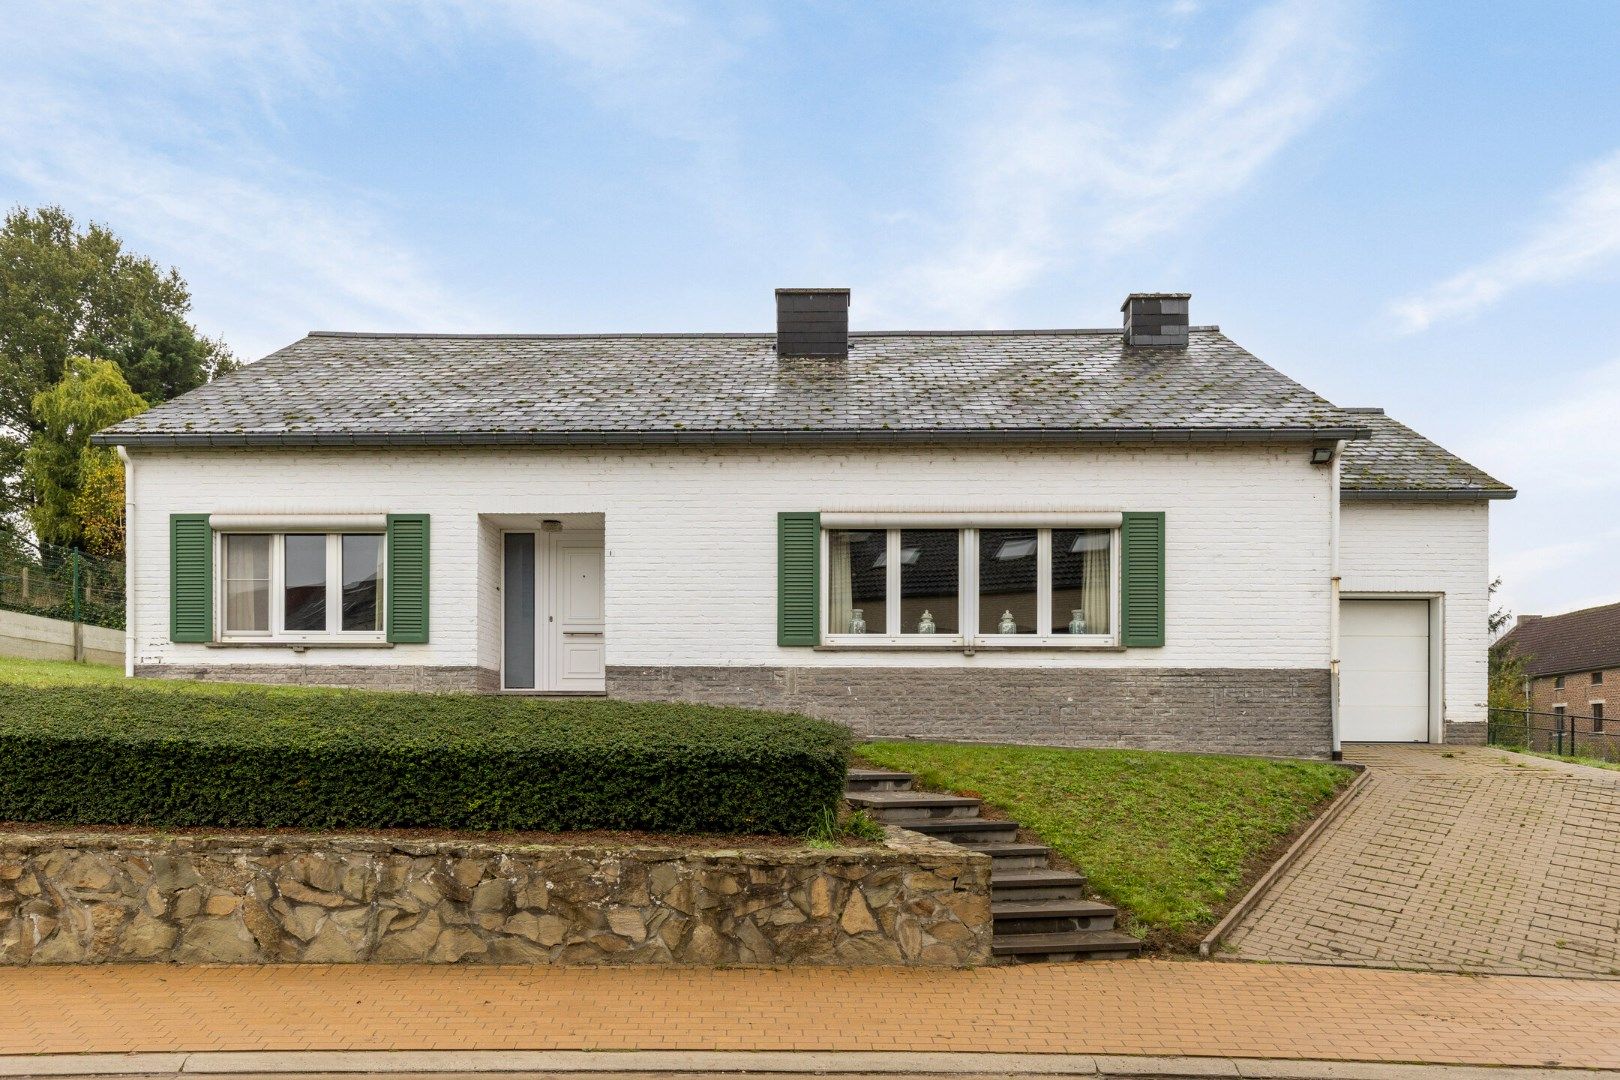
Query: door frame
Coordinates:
[543,581]
[1437,653]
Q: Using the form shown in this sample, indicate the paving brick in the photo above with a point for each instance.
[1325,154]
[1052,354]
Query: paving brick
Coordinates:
[1455,859]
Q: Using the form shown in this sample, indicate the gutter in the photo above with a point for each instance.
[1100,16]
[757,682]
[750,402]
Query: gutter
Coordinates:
[202,440]
[1420,495]
[129,562]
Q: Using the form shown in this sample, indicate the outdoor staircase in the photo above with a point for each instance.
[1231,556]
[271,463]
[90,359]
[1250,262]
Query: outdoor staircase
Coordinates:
[1039,913]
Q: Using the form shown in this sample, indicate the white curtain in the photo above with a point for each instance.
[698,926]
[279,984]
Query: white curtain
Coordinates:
[1094,599]
[840,591]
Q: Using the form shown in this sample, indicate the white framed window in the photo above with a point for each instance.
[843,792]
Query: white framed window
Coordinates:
[1002,584]
[301,586]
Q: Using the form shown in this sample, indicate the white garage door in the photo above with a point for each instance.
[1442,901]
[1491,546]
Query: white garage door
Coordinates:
[1384,670]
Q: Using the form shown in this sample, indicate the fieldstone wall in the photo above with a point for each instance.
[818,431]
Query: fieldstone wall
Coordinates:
[1277,712]
[96,898]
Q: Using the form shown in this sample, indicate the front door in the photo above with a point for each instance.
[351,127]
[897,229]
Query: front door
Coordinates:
[552,629]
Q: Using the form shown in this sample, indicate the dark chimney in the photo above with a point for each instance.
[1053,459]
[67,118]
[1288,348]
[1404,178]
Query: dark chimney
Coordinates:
[812,322]
[1156,318]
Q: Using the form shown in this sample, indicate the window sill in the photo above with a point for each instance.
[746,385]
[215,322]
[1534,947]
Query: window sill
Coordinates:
[906,646]
[298,646]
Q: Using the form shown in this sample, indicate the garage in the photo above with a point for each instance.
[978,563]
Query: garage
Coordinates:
[1384,687]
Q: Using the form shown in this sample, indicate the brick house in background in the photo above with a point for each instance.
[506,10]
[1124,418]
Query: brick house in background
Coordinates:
[1573,664]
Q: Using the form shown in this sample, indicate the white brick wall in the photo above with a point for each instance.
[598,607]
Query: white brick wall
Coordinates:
[691,538]
[1433,547]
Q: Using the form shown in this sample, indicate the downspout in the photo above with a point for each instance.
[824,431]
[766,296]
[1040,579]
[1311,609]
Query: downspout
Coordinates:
[1333,601]
[129,561]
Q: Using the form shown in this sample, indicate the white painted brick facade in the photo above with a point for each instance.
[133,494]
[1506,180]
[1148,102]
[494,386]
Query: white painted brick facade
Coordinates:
[1429,547]
[691,539]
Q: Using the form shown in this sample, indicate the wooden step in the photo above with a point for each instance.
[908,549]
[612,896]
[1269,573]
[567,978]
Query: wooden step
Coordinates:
[1011,855]
[1051,916]
[1036,885]
[968,832]
[877,780]
[1079,945]
[908,807]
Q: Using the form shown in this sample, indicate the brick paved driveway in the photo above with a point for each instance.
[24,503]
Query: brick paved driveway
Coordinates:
[1456,859]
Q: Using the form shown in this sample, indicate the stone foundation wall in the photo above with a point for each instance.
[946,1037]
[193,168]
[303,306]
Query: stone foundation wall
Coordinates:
[89,898]
[1270,711]
[414,677]
[1466,733]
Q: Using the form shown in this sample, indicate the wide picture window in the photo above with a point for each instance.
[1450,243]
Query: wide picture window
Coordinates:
[990,586]
[300,586]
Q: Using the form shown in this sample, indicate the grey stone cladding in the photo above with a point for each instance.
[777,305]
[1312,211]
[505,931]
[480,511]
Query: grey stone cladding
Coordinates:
[419,678]
[1282,712]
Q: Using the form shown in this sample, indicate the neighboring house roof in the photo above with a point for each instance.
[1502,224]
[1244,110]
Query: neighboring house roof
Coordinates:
[439,390]
[1586,640]
[1395,462]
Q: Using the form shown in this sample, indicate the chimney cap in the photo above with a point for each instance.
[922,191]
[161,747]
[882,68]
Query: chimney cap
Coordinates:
[1154,296]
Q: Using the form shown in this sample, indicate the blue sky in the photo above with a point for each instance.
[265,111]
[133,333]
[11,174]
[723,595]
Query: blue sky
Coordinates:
[1408,205]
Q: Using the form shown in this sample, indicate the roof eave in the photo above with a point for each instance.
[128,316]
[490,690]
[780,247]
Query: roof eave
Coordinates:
[238,440]
[1352,494]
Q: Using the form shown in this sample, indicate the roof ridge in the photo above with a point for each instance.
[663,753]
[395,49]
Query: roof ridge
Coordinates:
[711,335]
[1577,611]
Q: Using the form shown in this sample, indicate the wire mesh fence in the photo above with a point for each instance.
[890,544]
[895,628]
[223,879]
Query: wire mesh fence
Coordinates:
[60,583]
[1558,732]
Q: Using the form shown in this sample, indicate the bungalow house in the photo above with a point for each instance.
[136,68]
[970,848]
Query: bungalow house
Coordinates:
[1144,537]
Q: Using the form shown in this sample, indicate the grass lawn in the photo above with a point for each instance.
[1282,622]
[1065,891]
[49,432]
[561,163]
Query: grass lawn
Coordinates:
[62,673]
[1579,759]
[1170,839]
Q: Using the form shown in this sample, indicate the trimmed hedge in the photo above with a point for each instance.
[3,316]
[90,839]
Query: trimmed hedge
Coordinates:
[356,759]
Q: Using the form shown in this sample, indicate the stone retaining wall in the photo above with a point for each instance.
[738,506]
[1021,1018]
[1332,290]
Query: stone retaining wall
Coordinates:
[79,897]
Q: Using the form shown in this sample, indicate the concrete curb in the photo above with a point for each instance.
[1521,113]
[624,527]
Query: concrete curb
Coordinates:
[1257,892]
[674,1063]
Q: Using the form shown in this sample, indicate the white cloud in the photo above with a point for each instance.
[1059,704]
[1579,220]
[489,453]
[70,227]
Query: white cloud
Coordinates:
[1070,155]
[1578,234]
[162,122]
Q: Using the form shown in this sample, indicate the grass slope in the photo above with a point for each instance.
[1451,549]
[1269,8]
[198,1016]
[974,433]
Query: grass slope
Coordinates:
[1168,838]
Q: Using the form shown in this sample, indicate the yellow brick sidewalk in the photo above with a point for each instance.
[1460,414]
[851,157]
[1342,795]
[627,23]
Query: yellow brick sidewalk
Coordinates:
[1131,1007]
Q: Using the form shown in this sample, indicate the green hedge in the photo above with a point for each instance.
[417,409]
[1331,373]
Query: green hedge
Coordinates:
[352,759]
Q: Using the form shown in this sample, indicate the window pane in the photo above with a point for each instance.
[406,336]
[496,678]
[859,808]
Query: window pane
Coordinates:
[1007,570]
[930,567]
[247,584]
[362,572]
[1080,581]
[305,583]
[856,579]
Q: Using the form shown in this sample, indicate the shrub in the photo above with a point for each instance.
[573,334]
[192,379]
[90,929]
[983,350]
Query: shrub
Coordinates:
[352,759]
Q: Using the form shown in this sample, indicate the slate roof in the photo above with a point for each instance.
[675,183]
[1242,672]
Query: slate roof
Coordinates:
[1395,462]
[1586,640]
[353,389]
[411,389]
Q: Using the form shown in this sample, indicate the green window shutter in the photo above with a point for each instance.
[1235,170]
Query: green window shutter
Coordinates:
[191,578]
[408,578]
[1141,545]
[798,579]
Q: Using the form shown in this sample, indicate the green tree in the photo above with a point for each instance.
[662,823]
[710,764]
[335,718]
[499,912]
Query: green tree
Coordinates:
[66,292]
[99,502]
[90,396]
